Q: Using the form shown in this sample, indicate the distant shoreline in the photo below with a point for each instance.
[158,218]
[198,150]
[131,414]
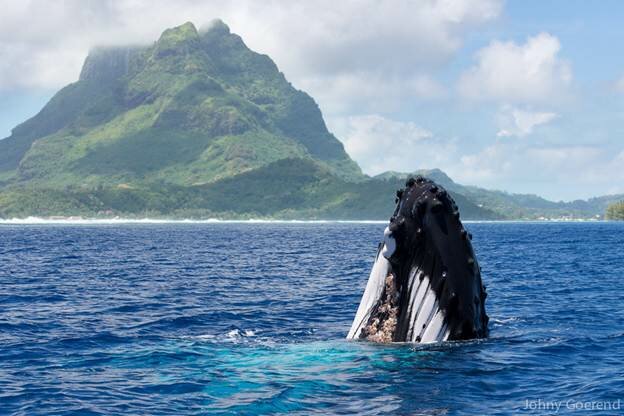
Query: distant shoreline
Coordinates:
[122,221]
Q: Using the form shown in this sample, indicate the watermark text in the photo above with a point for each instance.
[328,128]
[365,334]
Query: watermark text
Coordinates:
[572,404]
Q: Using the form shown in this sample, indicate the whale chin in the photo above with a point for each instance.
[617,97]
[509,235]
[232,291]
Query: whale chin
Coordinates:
[425,285]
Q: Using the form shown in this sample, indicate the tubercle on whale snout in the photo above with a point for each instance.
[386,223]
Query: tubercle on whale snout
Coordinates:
[426,241]
[429,225]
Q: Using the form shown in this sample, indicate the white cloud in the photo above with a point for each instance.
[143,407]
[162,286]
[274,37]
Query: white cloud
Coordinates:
[376,46]
[527,73]
[518,122]
[371,92]
[555,172]
[570,171]
[380,144]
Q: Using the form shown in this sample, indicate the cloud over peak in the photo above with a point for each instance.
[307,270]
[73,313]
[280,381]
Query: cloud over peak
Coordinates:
[316,44]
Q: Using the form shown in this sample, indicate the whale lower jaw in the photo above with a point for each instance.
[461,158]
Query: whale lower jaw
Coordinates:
[378,315]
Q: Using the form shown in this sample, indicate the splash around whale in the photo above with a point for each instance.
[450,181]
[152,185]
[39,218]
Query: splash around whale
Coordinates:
[425,285]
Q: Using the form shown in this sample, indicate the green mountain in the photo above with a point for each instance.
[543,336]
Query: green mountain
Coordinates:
[198,125]
[195,125]
[191,109]
[285,189]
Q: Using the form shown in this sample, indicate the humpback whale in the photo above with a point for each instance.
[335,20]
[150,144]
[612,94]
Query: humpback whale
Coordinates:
[425,285]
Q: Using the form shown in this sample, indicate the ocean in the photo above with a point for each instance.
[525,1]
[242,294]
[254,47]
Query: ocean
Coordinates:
[250,318]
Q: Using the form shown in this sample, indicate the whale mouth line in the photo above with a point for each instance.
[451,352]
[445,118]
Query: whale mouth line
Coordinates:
[425,285]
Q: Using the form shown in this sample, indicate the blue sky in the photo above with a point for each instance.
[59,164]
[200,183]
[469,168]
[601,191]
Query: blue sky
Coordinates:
[524,96]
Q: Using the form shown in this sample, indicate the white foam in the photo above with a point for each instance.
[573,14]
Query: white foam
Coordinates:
[233,333]
[113,221]
[118,220]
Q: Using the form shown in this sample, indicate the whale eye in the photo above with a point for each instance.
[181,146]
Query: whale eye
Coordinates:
[389,243]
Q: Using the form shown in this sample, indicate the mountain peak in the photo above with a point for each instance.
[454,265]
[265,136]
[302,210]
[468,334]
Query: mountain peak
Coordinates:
[191,108]
[184,32]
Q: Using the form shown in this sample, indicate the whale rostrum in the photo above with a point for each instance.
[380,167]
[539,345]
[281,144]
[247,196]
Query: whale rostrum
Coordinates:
[425,285]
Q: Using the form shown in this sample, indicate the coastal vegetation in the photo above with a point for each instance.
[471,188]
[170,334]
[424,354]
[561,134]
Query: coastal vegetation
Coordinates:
[615,211]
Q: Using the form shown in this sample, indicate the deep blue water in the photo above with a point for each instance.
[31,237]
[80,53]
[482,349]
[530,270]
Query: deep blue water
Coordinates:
[251,318]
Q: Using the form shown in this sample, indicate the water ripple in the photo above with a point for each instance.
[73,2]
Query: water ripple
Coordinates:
[227,318]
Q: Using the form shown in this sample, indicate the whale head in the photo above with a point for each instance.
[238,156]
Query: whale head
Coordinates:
[425,285]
